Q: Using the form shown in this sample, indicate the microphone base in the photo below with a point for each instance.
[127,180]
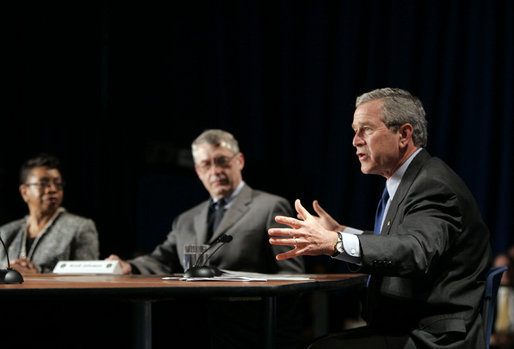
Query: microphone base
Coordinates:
[10,276]
[202,272]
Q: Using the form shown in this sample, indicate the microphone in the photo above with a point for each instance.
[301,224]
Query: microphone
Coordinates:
[9,275]
[222,238]
[205,270]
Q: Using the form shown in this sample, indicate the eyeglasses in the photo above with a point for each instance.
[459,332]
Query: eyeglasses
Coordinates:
[222,161]
[45,184]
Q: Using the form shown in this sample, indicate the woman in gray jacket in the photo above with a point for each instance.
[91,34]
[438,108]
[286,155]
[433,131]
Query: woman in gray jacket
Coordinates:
[48,234]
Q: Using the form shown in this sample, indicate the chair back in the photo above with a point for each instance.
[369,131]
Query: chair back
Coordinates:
[489,303]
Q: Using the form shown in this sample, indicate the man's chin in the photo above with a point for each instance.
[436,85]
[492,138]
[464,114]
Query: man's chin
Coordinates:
[220,192]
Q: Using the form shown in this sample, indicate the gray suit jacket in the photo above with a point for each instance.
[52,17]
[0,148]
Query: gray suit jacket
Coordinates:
[429,264]
[247,220]
[69,237]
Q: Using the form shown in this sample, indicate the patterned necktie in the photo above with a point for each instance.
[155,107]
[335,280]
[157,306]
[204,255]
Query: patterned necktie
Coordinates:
[380,211]
[216,212]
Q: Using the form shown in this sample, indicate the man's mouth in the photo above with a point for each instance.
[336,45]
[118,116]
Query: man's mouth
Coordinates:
[362,156]
[218,181]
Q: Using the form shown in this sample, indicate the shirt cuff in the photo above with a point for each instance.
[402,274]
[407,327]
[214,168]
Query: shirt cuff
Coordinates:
[351,245]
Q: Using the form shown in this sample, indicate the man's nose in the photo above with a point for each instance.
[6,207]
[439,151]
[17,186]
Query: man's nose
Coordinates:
[215,168]
[357,140]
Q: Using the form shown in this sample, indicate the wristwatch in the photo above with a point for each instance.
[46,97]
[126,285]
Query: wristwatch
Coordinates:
[339,245]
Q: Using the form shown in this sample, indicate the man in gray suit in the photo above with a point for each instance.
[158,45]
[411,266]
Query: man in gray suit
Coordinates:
[247,216]
[429,252]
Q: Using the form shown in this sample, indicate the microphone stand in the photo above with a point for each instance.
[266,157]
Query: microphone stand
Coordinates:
[206,270]
[9,275]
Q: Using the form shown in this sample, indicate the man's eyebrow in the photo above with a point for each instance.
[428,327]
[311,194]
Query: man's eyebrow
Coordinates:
[360,124]
[216,157]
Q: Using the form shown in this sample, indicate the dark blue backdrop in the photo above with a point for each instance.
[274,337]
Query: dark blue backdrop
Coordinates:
[119,89]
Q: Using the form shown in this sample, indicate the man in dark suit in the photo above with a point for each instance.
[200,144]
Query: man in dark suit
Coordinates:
[429,252]
[247,216]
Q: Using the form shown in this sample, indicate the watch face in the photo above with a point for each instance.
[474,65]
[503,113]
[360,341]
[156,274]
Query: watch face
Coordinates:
[339,247]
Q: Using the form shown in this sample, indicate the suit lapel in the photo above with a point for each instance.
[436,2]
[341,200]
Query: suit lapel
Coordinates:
[238,207]
[200,222]
[407,180]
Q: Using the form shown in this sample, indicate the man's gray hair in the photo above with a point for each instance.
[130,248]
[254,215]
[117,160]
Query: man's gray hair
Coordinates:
[215,138]
[400,107]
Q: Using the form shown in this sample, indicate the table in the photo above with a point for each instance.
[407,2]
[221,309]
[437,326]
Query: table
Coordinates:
[143,289]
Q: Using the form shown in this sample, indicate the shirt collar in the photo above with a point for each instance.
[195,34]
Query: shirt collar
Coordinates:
[231,197]
[394,181]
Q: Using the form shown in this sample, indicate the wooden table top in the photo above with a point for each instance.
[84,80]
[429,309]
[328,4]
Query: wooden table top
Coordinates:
[155,287]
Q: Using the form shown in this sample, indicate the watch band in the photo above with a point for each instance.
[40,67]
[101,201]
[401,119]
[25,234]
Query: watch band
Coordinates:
[339,241]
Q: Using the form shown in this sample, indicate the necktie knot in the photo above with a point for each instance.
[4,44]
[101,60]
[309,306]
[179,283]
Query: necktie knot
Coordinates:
[215,206]
[385,195]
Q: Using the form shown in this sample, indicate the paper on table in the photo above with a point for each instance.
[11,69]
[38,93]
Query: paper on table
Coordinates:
[293,277]
[230,275]
[223,278]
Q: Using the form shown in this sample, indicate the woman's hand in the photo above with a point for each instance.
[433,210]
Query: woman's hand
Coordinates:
[24,266]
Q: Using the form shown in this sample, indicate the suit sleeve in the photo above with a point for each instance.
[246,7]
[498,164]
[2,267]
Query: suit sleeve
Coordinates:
[163,260]
[426,225]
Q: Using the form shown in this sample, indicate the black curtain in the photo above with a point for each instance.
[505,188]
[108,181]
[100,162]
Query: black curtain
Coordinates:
[118,90]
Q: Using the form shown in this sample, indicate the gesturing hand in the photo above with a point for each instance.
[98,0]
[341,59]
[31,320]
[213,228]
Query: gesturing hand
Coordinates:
[324,219]
[308,235]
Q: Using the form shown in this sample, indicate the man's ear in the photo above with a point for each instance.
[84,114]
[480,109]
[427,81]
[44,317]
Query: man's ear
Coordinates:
[405,133]
[242,160]
[197,171]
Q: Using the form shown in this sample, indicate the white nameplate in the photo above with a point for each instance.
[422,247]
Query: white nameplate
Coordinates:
[88,267]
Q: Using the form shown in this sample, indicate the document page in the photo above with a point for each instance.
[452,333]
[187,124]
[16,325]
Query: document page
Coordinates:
[230,275]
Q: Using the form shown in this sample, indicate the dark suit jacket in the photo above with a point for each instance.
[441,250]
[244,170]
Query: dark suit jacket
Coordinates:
[428,266]
[247,220]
